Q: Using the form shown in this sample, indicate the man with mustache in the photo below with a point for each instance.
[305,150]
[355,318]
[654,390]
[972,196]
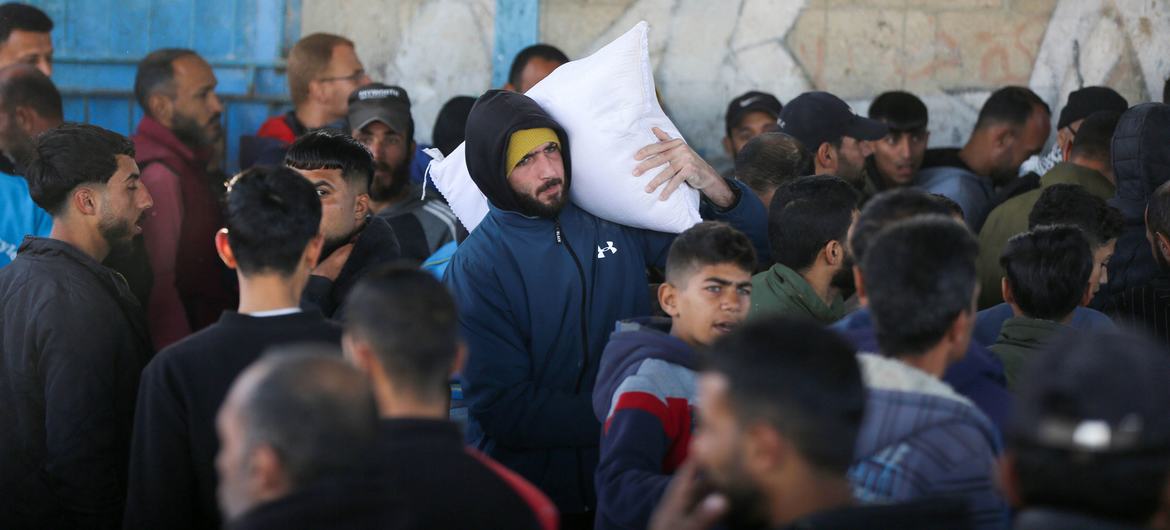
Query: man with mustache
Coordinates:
[379,118]
[178,142]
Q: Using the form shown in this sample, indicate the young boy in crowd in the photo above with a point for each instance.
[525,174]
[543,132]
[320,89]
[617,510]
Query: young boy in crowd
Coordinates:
[646,385]
[1046,277]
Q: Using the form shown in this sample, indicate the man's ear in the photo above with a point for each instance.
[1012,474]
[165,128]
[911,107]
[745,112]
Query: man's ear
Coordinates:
[267,478]
[1003,135]
[826,157]
[224,249]
[764,450]
[360,354]
[1005,290]
[460,358]
[361,207]
[834,253]
[162,108]
[25,118]
[86,200]
[313,250]
[1163,245]
[668,299]
[859,285]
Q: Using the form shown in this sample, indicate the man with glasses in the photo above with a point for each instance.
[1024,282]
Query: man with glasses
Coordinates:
[323,70]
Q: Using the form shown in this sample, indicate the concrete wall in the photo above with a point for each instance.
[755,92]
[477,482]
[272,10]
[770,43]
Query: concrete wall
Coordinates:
[952,53]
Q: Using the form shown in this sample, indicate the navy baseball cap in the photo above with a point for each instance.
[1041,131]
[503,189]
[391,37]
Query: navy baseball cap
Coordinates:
[818,117]
[753,101]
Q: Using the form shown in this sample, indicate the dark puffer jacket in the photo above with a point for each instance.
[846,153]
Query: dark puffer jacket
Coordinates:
[1141,163]
[73,342]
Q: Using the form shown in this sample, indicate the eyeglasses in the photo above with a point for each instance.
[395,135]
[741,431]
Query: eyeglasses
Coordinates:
[355,77]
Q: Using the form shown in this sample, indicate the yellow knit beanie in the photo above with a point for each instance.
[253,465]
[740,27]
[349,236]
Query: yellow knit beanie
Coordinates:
[525,140]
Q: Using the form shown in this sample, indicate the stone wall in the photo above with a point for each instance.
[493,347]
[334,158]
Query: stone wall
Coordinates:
[950,52]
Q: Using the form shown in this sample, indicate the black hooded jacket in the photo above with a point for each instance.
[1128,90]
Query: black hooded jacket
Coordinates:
[376,245]
[1141,163]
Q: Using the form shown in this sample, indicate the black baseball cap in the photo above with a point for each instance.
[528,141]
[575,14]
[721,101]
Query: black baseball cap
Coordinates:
[1085,101]
[753,101]
[377,102]
[1095,393]
[818,117]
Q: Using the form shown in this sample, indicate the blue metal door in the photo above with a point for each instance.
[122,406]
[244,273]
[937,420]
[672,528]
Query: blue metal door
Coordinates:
[97,44]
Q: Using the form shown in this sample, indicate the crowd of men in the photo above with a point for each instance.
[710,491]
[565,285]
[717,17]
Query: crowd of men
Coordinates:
[864,332]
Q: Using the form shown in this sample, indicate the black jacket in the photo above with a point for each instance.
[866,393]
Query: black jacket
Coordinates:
[926,514]
[73,341]
[172,466]
[339,503]
[376,245]
[1141,163]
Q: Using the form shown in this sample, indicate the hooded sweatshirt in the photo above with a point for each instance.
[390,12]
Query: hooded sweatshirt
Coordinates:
[644,396]
[538,298]
[921,439]
[1141,163]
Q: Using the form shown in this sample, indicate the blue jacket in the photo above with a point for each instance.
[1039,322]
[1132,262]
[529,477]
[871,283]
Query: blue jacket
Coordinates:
[975,194]
[920,440]
[19,216]
[538,298]
[978,376]
[644,397]
[990,321]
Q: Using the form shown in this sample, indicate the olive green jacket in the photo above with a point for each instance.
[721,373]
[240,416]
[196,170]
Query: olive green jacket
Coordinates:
[783,291]
[1020,338]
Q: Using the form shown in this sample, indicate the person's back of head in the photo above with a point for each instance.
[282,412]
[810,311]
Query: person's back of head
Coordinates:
[1046,271]
[769,160]
[1072,204]
[919,278]
[272,219]
[403,322]
[451,123]
[778,380]
[69,156]
[533,64]
[806,215]
[330,149]
[297,416]
[31,103]
[1091,429]
[708,282]
[31,27]
[886,208]
[1093,143]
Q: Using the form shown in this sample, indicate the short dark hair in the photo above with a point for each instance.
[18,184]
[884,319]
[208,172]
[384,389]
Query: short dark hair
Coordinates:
[806,214]
[919,276]
[772,159]
[17,16]
[950,204]
[272,215]
[547,52]
[1158,210]
[901,111]
[1072,204]
[331,149]
[708,243]
[1011,105]
[886,208]
[450,124]
[1114,380]
[1095,137]
[1047,270]
[314,409]
[25,86]
[410,321]
[71,155]
[800,379]
[156,72]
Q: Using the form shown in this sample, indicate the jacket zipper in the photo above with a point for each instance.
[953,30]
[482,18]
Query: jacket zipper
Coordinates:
[562,240]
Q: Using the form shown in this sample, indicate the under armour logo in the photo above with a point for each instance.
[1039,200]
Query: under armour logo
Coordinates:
[608,246]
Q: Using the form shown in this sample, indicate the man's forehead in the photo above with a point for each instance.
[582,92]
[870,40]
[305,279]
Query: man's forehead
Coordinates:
[25,39]
[333,176]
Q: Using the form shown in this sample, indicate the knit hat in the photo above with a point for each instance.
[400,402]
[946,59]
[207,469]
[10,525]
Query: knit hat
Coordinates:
[1083,102]
[524,141]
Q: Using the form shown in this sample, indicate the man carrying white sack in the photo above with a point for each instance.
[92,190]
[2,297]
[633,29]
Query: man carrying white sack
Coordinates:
[540,284]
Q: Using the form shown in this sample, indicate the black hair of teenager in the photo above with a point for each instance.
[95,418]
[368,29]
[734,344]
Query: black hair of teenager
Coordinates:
[1011,105]
[410,321]
[18,16]
[1094,139]
[272,214]
[806,214]
[919,276]
[332,149]
[451,123]
[1047,270]
[547,52]
[950,204]
[1126,486]
[901,111]
[70,155]
[798,378]
[1158,210]
[771,159]
[1072,204]
[708,243]
[156,72]
[26,86]
[886,208]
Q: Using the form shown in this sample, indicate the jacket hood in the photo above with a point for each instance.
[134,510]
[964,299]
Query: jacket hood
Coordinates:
[631,343]
[494,117]
[1141,157]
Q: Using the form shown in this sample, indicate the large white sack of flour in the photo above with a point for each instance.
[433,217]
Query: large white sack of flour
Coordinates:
[606,103]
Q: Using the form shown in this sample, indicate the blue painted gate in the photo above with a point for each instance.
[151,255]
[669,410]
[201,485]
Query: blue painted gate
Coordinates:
[97,44]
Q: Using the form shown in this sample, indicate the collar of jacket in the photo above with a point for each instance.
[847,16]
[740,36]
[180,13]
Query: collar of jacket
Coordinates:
[1029,331]
[1068,173]
[151,130]
[884,373]
[788,283]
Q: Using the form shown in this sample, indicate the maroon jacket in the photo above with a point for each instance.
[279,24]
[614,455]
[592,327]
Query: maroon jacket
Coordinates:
[190,282]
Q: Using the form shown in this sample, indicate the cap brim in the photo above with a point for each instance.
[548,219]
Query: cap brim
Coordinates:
[863,128]
[360,118]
